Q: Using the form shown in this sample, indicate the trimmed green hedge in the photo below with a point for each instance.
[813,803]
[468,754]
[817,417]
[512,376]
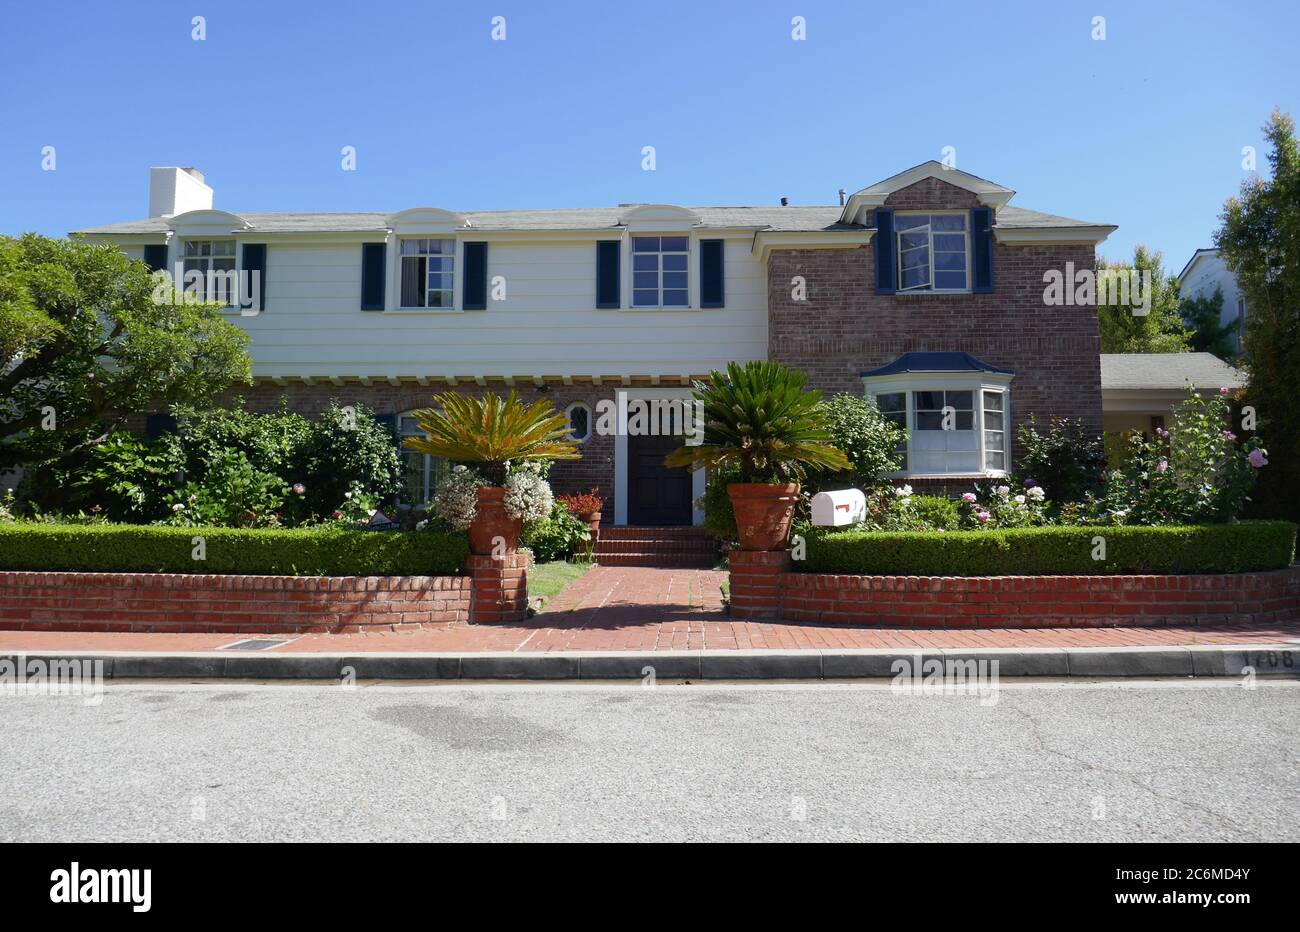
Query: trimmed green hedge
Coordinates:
[126,548]
[1053,551]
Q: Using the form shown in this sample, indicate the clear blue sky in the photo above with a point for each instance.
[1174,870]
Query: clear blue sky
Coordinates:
[1144,129]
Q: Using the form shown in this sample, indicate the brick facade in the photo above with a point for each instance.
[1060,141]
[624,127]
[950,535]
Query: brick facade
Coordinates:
[844,327]
[763,588]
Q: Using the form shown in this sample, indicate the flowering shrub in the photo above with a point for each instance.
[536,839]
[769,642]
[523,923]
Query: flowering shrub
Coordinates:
[232,493]
[1064,457]
[528,495]
[585,503]
[992,505]
[456,498]
[558,536]
[1196,472]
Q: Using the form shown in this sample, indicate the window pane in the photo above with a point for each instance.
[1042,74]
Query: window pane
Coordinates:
[950,261]
[993,401]
[191,247]
[579,422]
[412,477]
[915,259]
[914,278]
[992,420]
[891,401]
[931,401]
[960,400]
[950,279]
[645,279]
[646,262]
[645,244]
[674,279]
[965,420]
[675,263]
[906,222]
[913,240]
[948,222]
[929,420]
[674,298]
[223,248]
[673,244]
[645,298]
[994,460]
[413,283]
[950,242]
[440,299]
[410,247]
[993,440]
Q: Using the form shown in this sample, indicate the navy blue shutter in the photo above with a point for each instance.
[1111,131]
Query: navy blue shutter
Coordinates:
[155,425]
[373,268]
[981,225]
[155,257]
[607,270]
[255,261]
[886,273]
[476,283]
[711,273]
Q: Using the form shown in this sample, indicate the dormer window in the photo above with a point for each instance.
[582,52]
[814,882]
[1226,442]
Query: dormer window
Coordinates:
[428,273]
[933,252]
[209,270]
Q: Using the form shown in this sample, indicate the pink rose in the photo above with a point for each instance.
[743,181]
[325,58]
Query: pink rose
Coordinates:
[1257,459]
[969,498]
[1223,389]
[1162,465]
[983,516]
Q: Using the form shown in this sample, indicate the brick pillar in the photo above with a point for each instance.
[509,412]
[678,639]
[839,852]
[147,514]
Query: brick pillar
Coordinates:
[499,588]
[755,583]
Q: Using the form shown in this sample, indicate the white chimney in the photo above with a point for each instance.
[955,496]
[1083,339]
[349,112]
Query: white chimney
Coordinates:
[174,190]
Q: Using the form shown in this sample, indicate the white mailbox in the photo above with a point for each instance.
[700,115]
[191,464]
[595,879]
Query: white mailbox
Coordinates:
[838,508]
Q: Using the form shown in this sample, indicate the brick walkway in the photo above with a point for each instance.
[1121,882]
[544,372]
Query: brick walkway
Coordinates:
[644,608]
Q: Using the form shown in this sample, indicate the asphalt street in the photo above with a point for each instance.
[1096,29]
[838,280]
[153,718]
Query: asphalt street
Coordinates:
[1164,761]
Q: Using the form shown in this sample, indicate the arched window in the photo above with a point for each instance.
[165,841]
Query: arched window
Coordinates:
[579,420]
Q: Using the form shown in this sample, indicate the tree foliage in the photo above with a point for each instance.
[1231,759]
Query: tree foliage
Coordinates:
[84,345]
[1259,240]
[1202,316]
[1160,330]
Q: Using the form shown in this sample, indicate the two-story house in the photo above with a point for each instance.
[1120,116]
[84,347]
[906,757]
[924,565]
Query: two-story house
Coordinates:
[925,291]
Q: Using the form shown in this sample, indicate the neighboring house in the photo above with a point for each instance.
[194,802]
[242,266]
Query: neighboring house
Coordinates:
[1205,272]
[1139,390]
[925,290]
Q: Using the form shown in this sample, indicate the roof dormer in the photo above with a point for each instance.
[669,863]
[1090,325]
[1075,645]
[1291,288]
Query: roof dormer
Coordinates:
[988,193]
[426,221]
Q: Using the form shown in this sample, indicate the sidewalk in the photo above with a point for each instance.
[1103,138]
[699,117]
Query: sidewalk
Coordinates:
[673,619]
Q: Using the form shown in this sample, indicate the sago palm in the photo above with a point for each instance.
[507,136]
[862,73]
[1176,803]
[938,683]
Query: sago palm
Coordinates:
[760,420]
[493,431]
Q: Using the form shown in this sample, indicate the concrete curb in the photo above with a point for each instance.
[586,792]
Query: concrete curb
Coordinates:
[1192,661]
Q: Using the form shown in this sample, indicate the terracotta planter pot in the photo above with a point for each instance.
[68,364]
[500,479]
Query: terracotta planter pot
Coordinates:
[764,512]
[492,522]
[593,523]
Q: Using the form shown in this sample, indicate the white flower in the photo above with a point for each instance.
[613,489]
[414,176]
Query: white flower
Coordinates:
[178,507]
[904,491]
[421,525]
[1020,499]
[456,498]
[1003,491]
[528,495]
[1036,493]
[347,494]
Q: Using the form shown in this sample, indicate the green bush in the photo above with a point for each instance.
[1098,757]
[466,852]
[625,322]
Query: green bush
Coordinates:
[556,537]
[934,512]
[869,440]
[1053,551]
[123,548]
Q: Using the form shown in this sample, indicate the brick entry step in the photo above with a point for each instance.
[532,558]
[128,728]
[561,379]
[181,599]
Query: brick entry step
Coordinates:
[656,546]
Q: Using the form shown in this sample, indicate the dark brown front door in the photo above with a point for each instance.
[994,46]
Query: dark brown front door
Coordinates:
[657,494]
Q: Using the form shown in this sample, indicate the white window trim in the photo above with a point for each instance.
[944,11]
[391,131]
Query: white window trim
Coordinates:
[898,252]
[692,285]
[975,382]
[428,478]
[393,304]
[568,413]
[232,307]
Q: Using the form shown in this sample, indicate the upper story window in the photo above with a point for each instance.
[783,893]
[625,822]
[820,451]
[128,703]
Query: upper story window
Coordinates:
[428,273]
[933,252]
[208,268]
[660,276]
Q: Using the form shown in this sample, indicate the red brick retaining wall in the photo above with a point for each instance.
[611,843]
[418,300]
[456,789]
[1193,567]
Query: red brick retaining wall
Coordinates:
[173,602]
[762,587]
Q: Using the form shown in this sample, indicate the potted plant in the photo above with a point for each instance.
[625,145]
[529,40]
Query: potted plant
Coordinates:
[491,433]
[586,507]
[760,422]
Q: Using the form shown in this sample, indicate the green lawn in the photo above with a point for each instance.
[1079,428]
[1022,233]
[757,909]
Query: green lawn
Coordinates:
[547,579]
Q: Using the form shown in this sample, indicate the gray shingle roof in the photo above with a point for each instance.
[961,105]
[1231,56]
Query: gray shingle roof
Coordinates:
[776,219]
[1167,371]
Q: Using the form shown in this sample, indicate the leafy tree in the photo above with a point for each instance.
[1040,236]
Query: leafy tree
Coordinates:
[1062,457]
[1160,330]
[1201,314]
[84,345]
[865,436]
[1259,241]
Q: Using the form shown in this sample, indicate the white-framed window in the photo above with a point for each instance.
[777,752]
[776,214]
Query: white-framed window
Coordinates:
[579,414]
[933,252]
[661,271]
[214,261]
[427,276]
[421,472]
[953,425]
